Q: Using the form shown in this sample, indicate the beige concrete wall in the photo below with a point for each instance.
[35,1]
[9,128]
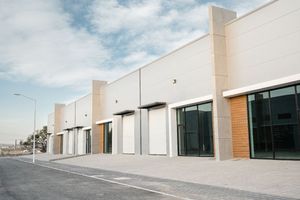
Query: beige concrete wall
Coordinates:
[96,103]
[221,108]
[264,45]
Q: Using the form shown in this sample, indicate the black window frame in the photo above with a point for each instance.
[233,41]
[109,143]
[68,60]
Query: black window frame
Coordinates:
[198,121]
[105,127]
[297,93]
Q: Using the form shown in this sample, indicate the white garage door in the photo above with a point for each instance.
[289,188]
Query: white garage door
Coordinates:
[80,142]
[50,148]
[157,131]
[65,143]
[128,134]
[71,142]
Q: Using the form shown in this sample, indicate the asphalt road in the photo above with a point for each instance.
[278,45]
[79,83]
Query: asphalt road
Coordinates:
[20,180]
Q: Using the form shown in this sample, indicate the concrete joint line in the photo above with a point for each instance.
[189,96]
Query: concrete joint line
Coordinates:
[107,180]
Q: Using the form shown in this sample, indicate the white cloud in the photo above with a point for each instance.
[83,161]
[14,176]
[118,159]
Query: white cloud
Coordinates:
[245,6]
[37,42]
[145,30]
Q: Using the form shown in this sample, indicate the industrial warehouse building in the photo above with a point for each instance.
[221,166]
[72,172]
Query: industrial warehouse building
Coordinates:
[233,93]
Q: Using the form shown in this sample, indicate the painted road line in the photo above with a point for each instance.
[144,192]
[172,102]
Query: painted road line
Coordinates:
[121,178]
[94,176]
[110,181]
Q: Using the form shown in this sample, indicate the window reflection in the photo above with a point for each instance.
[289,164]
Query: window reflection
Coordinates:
[194,126]
[274,124]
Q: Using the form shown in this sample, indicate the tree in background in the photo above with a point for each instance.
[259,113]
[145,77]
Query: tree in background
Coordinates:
[40,140]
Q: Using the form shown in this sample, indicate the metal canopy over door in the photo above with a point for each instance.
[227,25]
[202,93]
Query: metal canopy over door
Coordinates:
[128,134]
[157,131]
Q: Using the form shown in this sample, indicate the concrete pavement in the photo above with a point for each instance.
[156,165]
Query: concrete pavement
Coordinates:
[51,180]
[281,178]
[23,181]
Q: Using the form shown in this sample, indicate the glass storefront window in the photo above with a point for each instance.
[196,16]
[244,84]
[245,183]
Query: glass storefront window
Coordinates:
[274,124]
[194,126]
[298,96]
[88,141]
[260,125]
[285,126]
[205,127]
[108,137]
[180,130]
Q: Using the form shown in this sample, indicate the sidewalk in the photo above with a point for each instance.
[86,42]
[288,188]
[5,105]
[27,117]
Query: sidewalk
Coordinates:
[48,157]
[280,178]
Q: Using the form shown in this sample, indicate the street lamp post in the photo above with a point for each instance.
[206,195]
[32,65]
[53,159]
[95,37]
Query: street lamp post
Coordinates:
[34,124]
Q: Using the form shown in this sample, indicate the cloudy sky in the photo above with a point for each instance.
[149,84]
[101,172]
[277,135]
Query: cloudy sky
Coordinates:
[51,50]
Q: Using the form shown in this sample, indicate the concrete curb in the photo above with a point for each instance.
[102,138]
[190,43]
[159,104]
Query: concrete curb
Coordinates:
[64,158]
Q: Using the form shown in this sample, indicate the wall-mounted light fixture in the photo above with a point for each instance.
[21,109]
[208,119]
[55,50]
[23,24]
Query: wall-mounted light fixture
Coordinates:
[174,81]
[116,101]
[85,115]
[66,121]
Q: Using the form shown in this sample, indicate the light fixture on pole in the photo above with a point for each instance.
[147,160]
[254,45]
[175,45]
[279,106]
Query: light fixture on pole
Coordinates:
[34,123]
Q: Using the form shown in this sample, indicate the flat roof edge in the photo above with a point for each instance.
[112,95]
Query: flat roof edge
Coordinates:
[160,58]
[250,12]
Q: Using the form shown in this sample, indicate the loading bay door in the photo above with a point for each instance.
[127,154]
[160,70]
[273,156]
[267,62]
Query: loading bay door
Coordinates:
[157,131]
[128,134]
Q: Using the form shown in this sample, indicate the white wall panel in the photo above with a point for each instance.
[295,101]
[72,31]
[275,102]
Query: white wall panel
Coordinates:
[68,119]
[128,134]
[264,45]
[125,91]
[157,131]
[84,111]
[189,65]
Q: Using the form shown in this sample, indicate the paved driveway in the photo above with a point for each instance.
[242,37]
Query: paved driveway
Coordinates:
[19,179]
[280,178]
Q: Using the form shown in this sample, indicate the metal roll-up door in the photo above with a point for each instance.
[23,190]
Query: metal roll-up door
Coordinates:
[71,142]
[80,143]
[51,144]
[128,134]
[157,131]
[65,143]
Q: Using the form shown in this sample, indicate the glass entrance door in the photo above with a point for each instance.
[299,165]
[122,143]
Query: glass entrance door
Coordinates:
[107,137]
[274,123]
[61,144]
[285,123]
[194,126]
[88,141]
